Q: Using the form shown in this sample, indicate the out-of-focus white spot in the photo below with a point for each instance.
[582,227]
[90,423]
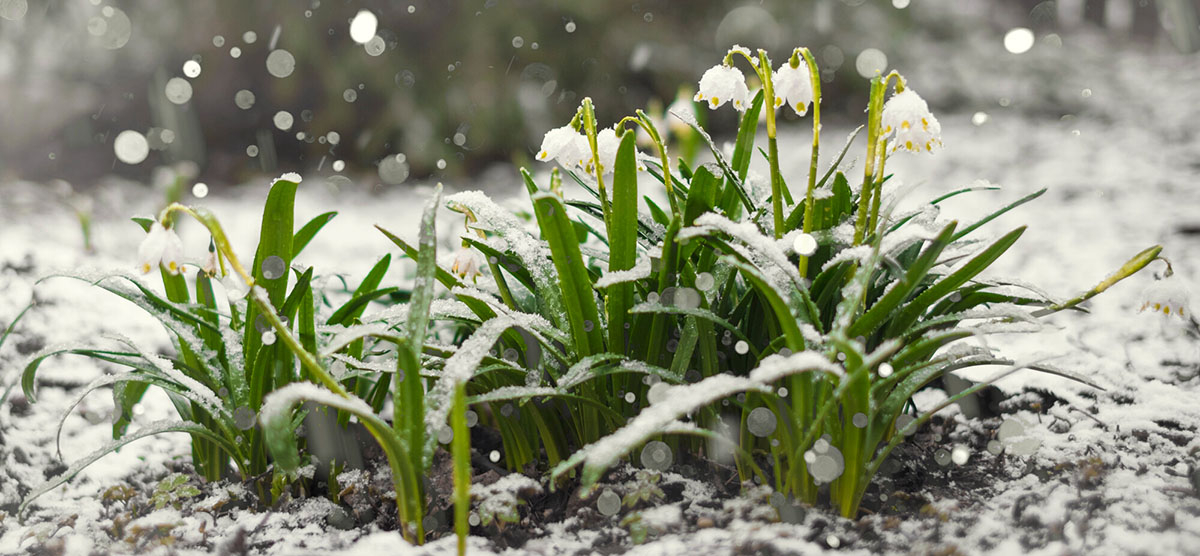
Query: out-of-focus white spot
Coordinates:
[1018,40]
[178,90]
[131,147]
[870,62]
[281,63]
[283,120]
[363,26]
[191,68]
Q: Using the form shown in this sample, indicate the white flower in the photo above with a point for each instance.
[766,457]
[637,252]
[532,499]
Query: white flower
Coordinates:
[721,84]
[607,145]
[556,142]
[567,146]
[907,117]
[794,86]
[466,263]
[1167,297]
[161,246]
[210,261]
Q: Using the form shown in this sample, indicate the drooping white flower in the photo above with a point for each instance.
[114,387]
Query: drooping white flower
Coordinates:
[466,263]
[566,146]
[209,266]
[161,246]
[607,145]
[721,84]
[556,142]
[909,123]
[1166,297]
[793,86]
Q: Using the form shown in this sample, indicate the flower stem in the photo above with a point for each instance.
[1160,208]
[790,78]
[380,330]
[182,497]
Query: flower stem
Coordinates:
[764,73]
[874,107]
[589,126]
[877,184]
[815,78]
[647,124]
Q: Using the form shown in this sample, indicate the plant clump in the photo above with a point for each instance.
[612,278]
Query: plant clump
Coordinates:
[669,311]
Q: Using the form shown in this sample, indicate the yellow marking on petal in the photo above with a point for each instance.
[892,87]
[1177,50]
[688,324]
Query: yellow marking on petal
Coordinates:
[146,268]
[1167,310]
[908,144]
[888,129]
[714,102]
[905,125]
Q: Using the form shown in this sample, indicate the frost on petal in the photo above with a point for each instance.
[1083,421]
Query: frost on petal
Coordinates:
[909,124]
[721,84]
[555,141]
[150,251]
[793,86]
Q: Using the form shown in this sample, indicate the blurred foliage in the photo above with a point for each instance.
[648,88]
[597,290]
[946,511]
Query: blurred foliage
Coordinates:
[467,82]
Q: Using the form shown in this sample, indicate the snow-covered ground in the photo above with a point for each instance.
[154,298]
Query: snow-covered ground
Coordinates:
[1110,471]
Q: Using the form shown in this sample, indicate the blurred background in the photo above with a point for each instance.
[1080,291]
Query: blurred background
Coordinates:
[223,91]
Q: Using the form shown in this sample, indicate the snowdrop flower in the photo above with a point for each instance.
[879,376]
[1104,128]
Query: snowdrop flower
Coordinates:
[466,263]
[907,117]
[209,266]
[161,246]
[793,86]
[1167,297]
[607,145]
[557,142]
[721,84]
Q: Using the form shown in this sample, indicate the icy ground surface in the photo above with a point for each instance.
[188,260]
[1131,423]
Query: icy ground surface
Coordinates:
[1109,473]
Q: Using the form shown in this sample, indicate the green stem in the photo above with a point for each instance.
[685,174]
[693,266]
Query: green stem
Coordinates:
[877,196]
[815,78]
[764,73]
[874,107]
[589,126]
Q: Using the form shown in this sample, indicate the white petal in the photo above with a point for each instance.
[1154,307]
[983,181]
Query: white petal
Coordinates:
[172,257]
[555,141]
[607,144]
[150,251]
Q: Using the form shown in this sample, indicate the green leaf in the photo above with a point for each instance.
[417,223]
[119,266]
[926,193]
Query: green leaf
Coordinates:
[622,240]
[997,214]
[702,197]
[445,277]
[366,291]
[881,309]
[913,310]
[409,394]
[307,232]
[573,279]
[275,240]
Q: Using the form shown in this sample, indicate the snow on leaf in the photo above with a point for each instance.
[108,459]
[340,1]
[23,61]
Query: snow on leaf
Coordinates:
[762,248]
[640,271]
[533,253]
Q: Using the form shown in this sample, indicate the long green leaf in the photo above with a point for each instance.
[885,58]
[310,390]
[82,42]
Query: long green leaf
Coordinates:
[573,279]
[307,232]
[881,309]
[913,309]
[622,240]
